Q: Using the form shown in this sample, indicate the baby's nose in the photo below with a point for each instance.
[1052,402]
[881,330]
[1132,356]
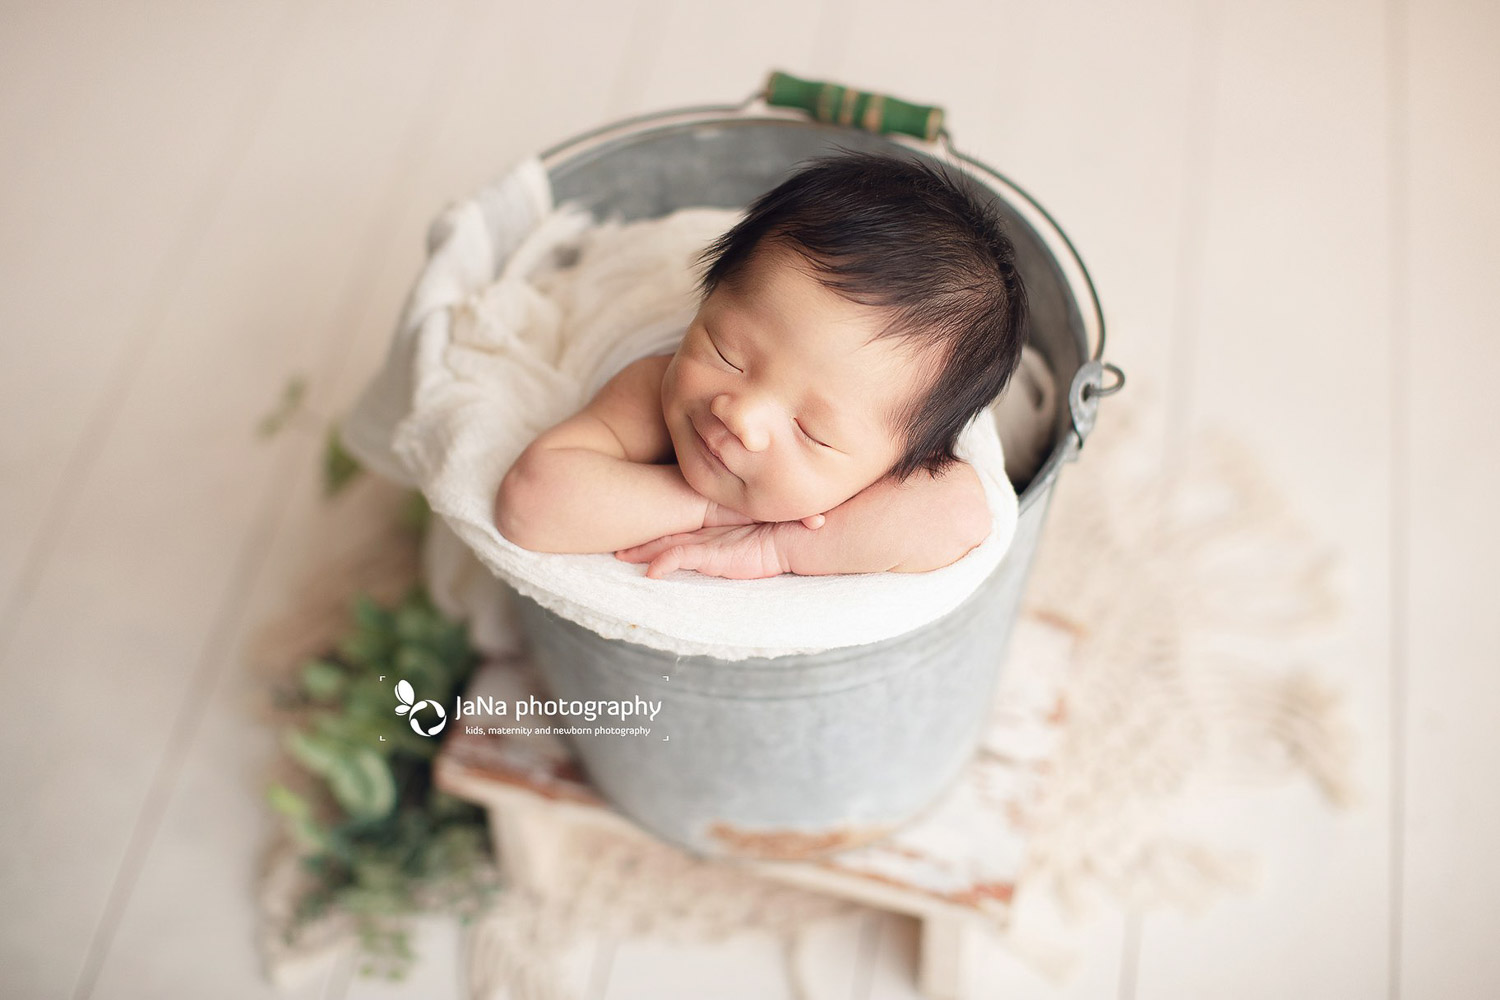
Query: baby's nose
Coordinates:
[746,420]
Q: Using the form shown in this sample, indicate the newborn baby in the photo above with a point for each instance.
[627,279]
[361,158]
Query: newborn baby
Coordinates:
[850,326]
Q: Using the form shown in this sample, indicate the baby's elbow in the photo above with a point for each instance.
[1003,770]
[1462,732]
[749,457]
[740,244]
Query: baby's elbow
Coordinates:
[507,513]
[965,523]
[516,506]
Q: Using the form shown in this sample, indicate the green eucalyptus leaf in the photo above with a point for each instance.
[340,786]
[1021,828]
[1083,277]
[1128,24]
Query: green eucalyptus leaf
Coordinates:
[447,807]
[363,785]
[424,669]
[341,729]
[415,624]
[318,754]
[370,615]
[401,737]
[287,802]
[401,843]
[415,514]
[369,650]
[359,899]
[286,407]
[454,641]
[381,875]
[339,467]
[372,699]
[322,680]
[310,834]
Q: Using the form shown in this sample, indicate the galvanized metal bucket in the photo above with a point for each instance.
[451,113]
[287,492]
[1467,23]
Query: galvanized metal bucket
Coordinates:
[802,755]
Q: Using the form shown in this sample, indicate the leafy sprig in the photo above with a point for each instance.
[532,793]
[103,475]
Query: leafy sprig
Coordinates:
[381,841]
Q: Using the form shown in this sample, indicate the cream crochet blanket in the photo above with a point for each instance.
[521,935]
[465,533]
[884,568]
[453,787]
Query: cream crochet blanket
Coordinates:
[1185,595]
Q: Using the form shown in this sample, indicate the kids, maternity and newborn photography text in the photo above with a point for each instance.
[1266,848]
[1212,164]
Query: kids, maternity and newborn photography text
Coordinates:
[483,710]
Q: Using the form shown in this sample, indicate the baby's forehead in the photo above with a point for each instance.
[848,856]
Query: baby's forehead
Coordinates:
[861,355]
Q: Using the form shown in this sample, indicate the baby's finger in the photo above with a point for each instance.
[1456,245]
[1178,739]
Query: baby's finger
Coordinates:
[813,521]
[672,559]
[646,551]
[636,553]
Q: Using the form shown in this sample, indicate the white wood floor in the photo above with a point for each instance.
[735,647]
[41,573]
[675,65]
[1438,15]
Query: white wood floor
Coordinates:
[1289,206]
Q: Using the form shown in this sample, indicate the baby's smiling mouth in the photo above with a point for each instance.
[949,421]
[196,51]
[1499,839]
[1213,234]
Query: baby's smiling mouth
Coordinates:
[712,450]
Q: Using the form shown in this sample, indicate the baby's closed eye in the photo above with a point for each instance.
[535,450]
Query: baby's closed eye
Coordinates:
[803,431]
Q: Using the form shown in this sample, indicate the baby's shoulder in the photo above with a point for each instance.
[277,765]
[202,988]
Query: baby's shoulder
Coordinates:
[629,404]
[638,380]
[654,366]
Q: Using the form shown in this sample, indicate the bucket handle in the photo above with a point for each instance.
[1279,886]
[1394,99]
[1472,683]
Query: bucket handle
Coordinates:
[1084,394]
[839,105]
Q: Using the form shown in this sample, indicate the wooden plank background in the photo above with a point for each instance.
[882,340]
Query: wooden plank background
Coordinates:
[1290,212]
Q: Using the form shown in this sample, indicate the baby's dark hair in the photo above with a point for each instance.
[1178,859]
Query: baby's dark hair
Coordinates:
[905,235]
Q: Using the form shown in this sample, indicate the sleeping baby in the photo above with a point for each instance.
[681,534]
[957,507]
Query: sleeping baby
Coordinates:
[850,326]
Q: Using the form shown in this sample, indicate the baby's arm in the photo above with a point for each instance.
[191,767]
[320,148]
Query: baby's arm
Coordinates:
[591,484]
[923,524]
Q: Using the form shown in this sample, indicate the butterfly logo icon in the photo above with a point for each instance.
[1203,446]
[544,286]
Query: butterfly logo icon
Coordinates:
[407,696]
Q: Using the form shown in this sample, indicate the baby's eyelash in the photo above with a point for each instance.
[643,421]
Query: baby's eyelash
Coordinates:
[721,355]
[809,436]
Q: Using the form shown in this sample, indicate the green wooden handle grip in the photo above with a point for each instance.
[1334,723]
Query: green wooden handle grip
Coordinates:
[829,102]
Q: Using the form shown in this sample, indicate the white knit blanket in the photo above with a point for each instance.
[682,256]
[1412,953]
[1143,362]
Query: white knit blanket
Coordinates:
[521,314]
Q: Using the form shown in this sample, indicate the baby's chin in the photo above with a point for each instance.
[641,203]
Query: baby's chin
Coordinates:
[752,503]
[772,508]
[747,499]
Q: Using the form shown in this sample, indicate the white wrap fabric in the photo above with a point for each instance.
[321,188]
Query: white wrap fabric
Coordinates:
[522,312]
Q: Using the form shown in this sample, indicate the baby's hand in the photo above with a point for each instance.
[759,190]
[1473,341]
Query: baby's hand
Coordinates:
[718,516]
[736,552]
